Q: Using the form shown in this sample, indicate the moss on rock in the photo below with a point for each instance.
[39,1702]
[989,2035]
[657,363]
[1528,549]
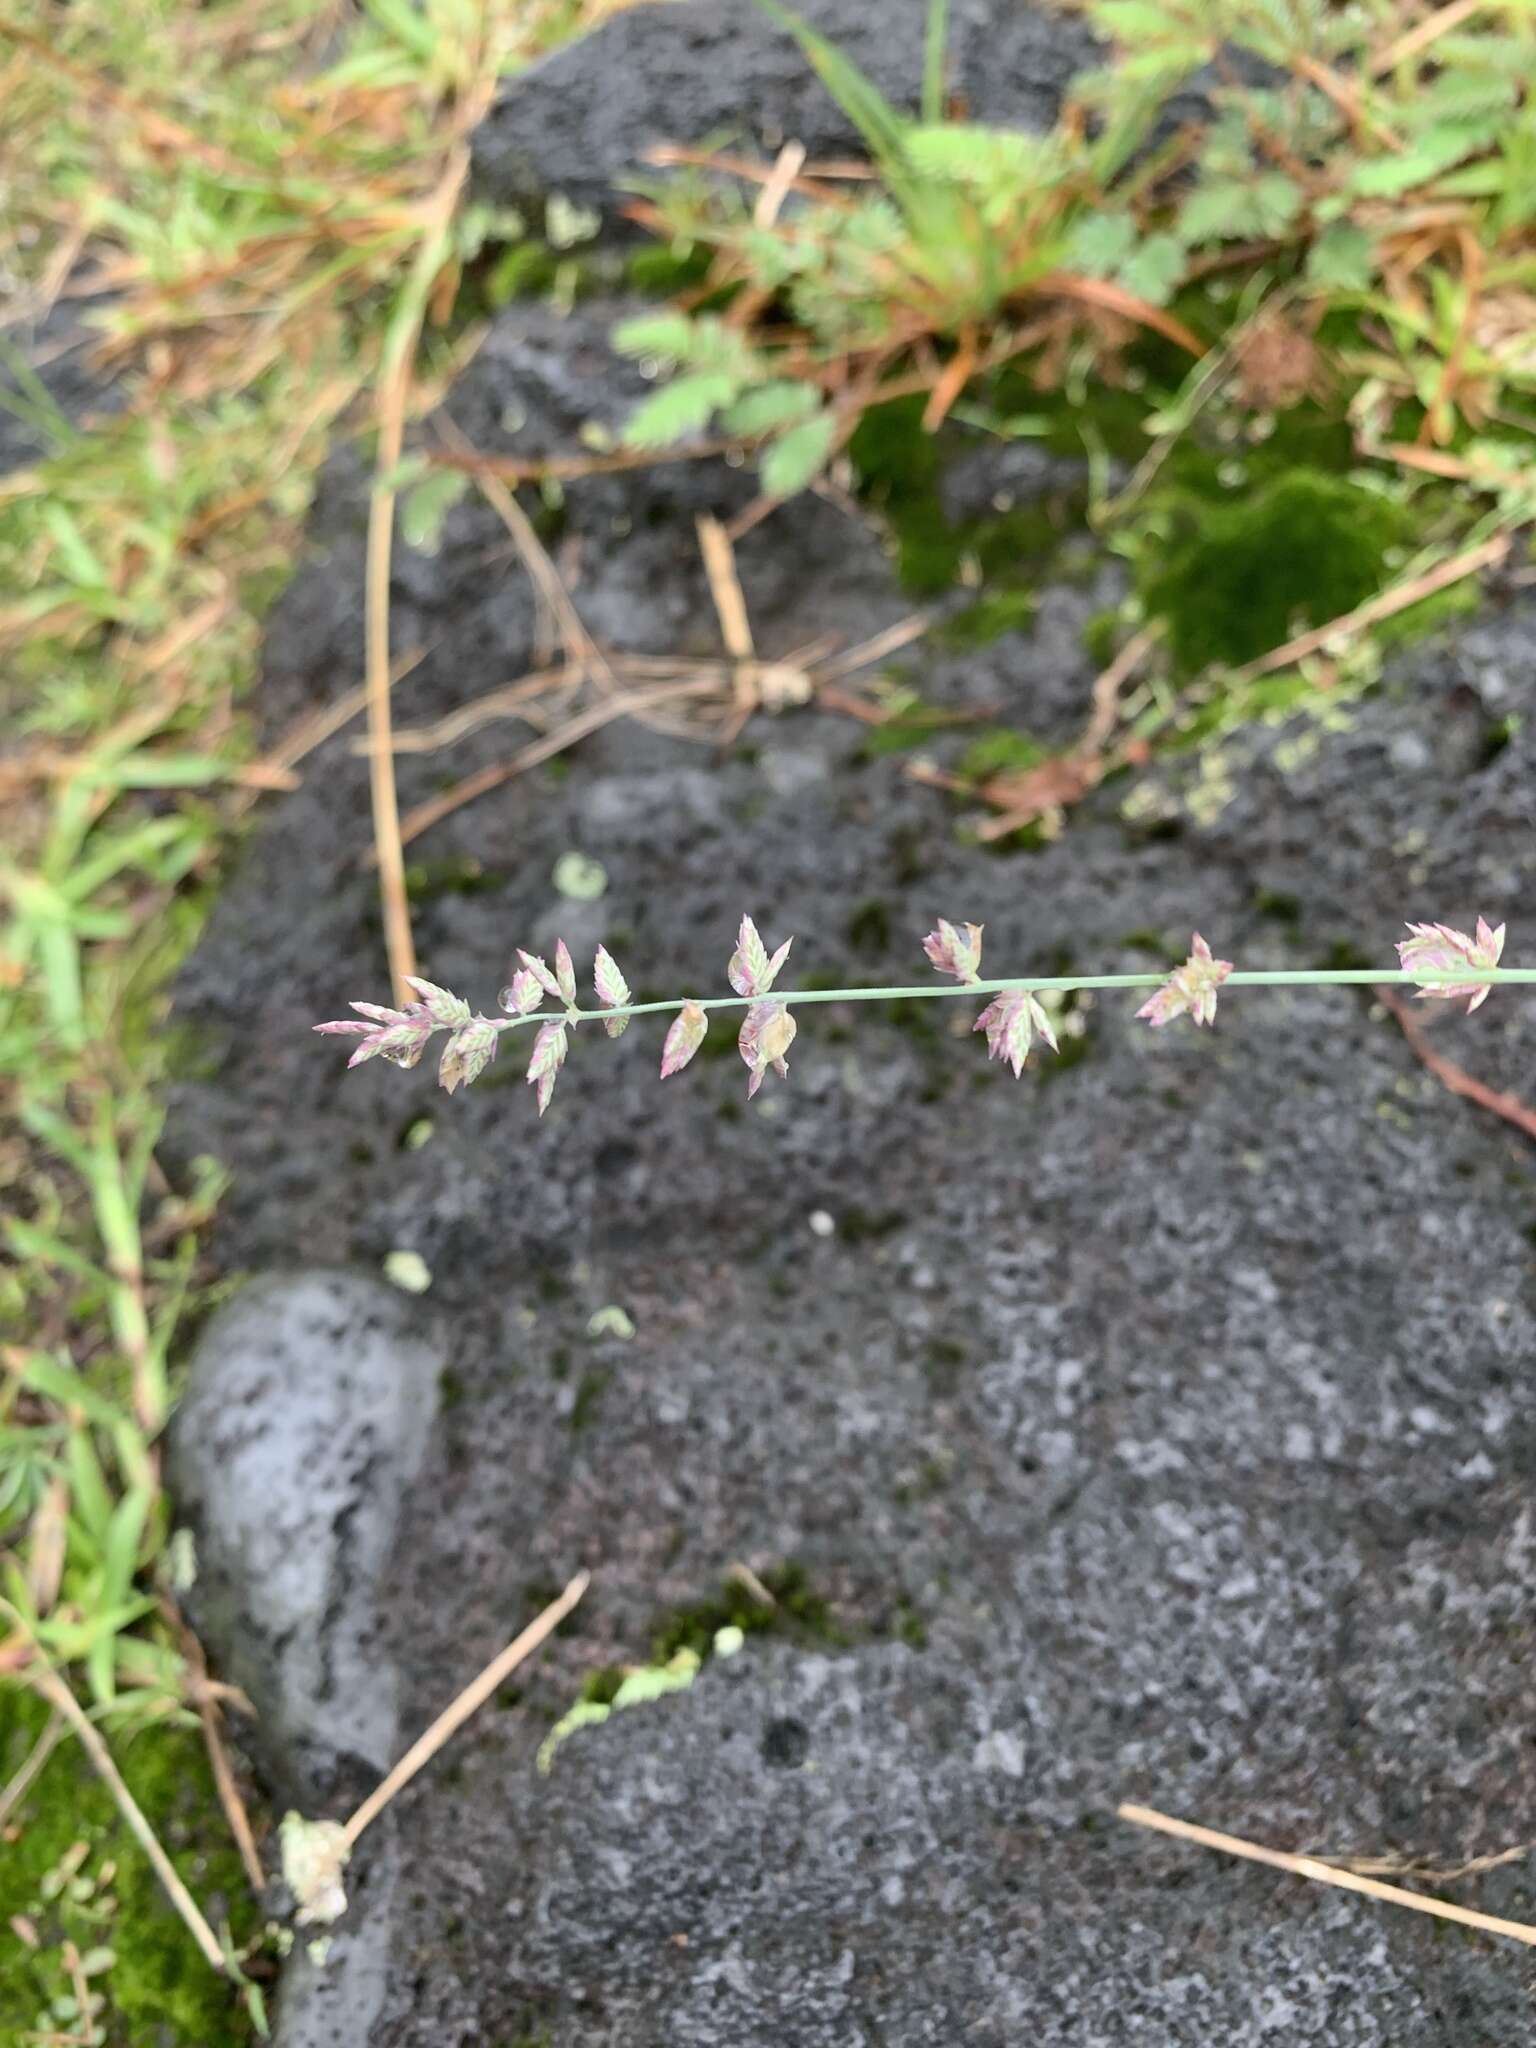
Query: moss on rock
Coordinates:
[71,1871]
[1240,579]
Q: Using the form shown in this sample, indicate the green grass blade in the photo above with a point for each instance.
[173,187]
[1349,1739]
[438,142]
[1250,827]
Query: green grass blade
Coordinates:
[69,1388]
[933,60]
[882,126]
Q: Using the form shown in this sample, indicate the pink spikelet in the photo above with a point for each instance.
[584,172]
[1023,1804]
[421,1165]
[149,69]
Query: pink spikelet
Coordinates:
[751,970]
[612,991]
[565,974]
[1012,1021]
[955,950]
[684,1037]
[399,1036]
[767,1033]
[1189,990]
[539,969]
[525,994]
[549,1050]
[1440,949]
[440,1004]
[470,1049]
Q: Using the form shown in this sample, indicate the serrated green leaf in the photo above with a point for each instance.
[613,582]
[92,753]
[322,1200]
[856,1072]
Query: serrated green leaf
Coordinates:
[1455,96]
[1276,202]
[771,405]
[1100,244]
[1136,21]
[681,407]
[1387,176]
[1232,208]
[655,334]
[798,456]
[981,157]
[1155,269]
[1165,67]
[1342,259]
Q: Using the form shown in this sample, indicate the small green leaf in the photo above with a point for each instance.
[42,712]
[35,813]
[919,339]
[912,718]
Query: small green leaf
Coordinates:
[1100,244]
[1385,177]
[426,505]
[770,405]
[1215,210]
[679,408]
[798,456]
[1342,259]
[1276,202]
[655,334]
[1156,269]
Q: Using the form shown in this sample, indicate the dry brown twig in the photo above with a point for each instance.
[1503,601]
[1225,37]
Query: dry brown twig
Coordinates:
[581,650]
[1322,1872]
[1384,605]
[205,1698]
[315,727]
[706,699]
[1023,796]
[458,1710]
[1417,40]
[1425,1872]
[1455,1078]
[32,1767]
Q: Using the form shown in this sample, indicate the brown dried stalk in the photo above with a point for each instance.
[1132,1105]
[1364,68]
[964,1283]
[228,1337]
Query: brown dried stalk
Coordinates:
[458,1710]
[1320,1872]
[1455,1078]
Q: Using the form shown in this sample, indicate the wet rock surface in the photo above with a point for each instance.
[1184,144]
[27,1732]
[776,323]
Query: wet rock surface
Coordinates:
[1152,1428]
[581,122]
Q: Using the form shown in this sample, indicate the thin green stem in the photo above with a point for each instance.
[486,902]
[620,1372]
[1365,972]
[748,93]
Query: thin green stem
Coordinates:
[1322,977]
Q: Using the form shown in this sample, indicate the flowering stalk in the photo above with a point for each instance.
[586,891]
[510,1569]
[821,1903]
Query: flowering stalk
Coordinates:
[1440,962]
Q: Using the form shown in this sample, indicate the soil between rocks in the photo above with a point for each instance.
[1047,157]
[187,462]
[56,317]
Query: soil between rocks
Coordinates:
[1152,1428]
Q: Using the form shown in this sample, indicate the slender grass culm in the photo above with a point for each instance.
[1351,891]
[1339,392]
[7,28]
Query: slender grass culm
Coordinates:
[1437,960]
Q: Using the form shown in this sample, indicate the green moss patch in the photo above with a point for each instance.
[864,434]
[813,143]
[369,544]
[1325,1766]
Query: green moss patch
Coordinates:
[1240,579]
[988,619]
[798,1610]
[71,1871]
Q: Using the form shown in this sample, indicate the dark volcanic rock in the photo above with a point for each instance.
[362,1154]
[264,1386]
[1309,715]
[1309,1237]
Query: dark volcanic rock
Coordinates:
[581,122]
[1152,1428]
